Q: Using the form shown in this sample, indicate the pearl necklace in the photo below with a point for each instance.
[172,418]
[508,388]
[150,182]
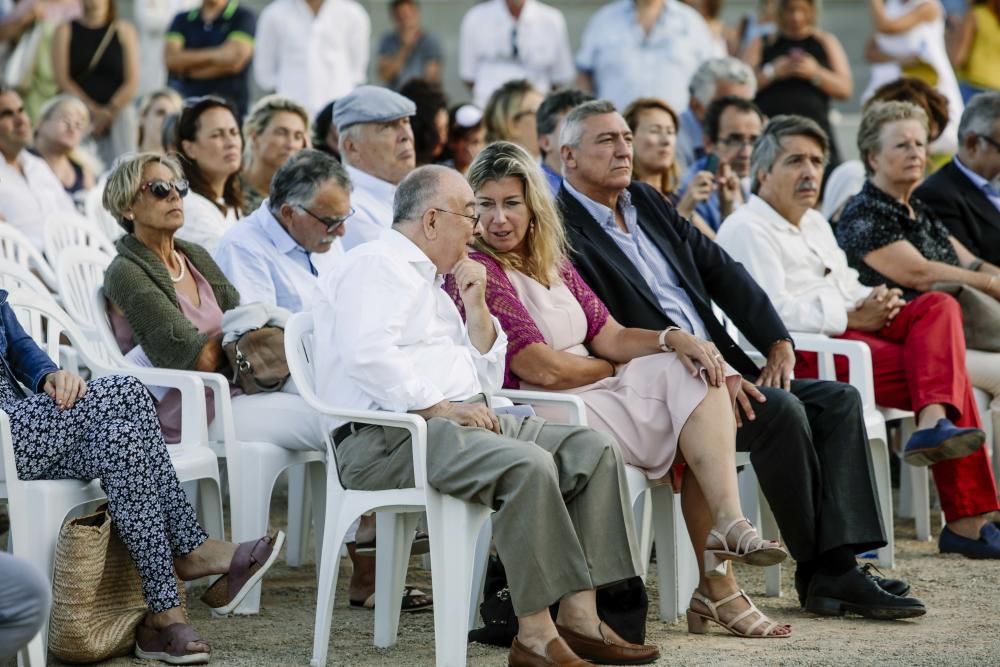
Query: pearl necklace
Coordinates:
[180,261]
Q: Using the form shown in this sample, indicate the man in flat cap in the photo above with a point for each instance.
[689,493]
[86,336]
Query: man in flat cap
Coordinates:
[376,146]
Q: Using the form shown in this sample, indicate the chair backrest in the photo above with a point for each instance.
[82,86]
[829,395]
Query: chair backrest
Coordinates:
[299,354]
[98,216]
[16,248]
[16,277]
[49,326]
[62,232]
[80,272]
[105,342]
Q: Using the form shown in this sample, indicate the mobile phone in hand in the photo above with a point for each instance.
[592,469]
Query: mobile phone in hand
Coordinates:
[712,164]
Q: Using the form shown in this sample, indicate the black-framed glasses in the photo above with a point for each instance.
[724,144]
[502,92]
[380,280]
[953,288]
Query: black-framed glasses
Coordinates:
[991,141]
[161,189]
[331,224]
[474,218]
[739,140]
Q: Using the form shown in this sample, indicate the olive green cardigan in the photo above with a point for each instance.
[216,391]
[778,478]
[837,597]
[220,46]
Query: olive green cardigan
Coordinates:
[137,283]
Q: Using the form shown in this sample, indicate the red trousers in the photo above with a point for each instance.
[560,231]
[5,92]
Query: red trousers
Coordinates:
[919,359]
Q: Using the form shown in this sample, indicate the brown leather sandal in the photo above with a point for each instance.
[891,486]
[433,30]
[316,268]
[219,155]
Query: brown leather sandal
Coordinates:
[250,562]
[169,645]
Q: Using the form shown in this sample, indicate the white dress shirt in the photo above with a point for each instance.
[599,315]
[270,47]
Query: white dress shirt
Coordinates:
[802,269]
[29,195]
[486,53]
[312,58]
[204,223]
[387,336]
[371,199]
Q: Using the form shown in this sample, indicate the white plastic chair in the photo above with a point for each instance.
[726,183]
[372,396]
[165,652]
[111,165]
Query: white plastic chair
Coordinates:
[78,271]
[16,277]
[452,524]
[96,213]
[62,232]
[38,508]
[16,248]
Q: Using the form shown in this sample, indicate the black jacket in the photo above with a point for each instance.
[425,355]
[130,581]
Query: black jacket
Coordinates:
[964,209]
[706,272]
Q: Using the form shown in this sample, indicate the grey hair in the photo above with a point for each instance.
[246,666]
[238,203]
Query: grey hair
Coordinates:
[980,114]
[349,133]
[572,130]
[415,191]
[711,72]
[768,148]
[877,116]
[296,182]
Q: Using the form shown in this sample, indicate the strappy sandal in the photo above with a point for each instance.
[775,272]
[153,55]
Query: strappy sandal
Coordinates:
[250,562]
[749,548]
[170,644]
[698,620]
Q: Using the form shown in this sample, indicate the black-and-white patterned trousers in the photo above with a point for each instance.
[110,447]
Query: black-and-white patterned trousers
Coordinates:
[113,434]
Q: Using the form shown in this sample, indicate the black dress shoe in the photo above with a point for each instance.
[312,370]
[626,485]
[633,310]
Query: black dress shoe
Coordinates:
[856,591]
[896,587]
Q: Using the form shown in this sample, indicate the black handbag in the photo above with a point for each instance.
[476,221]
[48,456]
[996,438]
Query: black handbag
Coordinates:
[622,605]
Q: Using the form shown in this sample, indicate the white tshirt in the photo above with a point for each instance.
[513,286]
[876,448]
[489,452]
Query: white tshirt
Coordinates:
[204,223]
[387,337]
[30,195]
[313,59]
[802,269]
[486,55]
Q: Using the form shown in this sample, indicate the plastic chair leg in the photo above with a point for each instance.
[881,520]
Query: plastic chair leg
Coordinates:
[394,536]
[920,480]
[327,590]
[317,491]
[883,485]
[769,530]
[298,515]
[479,572]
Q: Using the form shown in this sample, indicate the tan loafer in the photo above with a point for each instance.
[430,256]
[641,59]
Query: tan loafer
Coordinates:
[557,654]
[610,649]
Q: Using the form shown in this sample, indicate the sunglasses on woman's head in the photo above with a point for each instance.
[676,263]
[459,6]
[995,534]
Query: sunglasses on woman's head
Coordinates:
[161,189]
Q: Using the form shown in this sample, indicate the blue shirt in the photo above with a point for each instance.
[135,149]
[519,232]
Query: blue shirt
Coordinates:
[647,258]
[710,209]
[554,179]
[626,63]
[689,140]
[265,264]
[22,358]
[191,31]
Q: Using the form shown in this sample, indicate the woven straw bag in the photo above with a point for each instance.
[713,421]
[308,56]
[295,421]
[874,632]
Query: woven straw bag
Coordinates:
[97,597]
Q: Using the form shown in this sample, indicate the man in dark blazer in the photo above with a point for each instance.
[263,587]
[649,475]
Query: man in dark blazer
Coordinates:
[964,194]
[806,438]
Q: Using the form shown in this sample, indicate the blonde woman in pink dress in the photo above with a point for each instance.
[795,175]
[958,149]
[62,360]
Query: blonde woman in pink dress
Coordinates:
[665,396]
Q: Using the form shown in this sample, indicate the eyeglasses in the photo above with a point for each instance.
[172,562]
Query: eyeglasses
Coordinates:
[162,189]
[739,141]
[473,218]
[991,141]
[331,224]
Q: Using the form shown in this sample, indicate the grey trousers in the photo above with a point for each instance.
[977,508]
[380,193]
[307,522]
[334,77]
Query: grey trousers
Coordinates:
[24,603]
[562,522]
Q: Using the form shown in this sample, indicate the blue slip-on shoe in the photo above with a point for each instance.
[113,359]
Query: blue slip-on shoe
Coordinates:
[987,546]
[945,441]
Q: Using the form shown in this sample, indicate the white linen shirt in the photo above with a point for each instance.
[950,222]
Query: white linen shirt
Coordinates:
[625,63]
[371,199]
[204,223]
[28,199]
[265,264]
[802,269]
[387,337]
[312,58]
[486,56]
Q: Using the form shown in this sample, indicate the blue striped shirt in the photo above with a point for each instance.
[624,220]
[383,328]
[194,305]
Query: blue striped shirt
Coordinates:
[647,259]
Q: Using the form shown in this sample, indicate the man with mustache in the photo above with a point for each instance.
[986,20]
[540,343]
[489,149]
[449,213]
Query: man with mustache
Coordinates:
[806,438]
[918,348]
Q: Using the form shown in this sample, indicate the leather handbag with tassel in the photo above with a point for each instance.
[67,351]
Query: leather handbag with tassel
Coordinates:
[258,361]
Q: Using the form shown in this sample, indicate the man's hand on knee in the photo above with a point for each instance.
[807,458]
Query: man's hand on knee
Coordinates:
[464,414]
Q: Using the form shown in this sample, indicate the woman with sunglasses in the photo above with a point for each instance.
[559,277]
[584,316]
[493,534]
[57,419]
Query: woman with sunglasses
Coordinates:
[210,148]
[168,297]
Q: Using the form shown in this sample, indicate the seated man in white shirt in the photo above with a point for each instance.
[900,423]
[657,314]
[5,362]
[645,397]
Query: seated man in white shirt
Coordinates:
[918,348]
[29,192]
[376,145]
[562,524]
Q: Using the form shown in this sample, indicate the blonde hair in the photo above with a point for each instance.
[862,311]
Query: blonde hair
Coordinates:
[545,243]
[79,155]
[670,178]
[147,103]
[125,180]
[502,106]
[876,117]
[262,113]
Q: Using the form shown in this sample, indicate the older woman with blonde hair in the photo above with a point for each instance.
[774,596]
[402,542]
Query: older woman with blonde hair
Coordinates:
[891,238]
[153,111]
[509,115]
[64,122]
[275,129]
[654,126]
[636,388]
[168,297]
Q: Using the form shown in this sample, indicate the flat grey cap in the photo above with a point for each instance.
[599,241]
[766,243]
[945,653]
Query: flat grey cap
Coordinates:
[371,104]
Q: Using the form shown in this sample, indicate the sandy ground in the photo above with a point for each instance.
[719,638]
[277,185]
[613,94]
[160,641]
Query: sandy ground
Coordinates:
[962,626]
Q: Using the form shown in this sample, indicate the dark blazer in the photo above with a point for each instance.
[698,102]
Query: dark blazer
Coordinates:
[964,209]
[706,272]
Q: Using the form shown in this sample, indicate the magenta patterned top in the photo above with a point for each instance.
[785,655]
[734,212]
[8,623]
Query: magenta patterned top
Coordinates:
[517,323]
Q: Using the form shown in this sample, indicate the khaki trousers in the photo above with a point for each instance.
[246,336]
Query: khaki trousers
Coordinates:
[562,520]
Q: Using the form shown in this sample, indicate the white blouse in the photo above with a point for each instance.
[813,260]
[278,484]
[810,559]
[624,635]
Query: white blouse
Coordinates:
[204,223]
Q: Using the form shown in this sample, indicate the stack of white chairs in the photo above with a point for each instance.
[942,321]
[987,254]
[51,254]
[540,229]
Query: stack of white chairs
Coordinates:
[16,248]
[62,232]
[38,508]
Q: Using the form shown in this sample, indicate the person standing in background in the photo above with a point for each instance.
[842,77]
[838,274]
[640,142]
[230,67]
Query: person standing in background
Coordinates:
[408,52]
[152,19]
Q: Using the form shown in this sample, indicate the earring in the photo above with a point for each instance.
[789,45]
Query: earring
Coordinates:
[531,226]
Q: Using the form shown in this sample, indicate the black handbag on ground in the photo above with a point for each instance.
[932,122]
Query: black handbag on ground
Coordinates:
[623,606]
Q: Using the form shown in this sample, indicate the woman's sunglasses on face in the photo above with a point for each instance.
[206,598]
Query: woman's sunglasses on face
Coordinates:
[161,189]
